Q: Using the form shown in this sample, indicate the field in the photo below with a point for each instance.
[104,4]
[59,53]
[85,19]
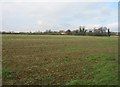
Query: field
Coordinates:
[59,60]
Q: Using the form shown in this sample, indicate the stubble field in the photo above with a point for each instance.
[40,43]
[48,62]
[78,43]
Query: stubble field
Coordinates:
[59,60]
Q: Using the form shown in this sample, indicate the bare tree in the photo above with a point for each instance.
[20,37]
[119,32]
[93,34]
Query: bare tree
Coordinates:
[82,30]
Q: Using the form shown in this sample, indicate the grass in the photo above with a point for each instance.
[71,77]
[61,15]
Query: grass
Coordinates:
[102,57]
[100,76]
[6,72]
[59,60]
[101,73]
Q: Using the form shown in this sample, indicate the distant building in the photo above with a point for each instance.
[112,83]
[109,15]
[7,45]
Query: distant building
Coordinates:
[62,33]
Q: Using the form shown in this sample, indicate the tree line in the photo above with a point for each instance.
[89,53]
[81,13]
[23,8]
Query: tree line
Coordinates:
[82,31]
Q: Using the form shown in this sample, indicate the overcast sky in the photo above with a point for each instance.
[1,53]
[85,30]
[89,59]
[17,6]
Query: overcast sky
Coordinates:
[41,16]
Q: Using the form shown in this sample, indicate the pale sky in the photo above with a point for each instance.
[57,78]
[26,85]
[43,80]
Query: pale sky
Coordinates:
[44,15]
